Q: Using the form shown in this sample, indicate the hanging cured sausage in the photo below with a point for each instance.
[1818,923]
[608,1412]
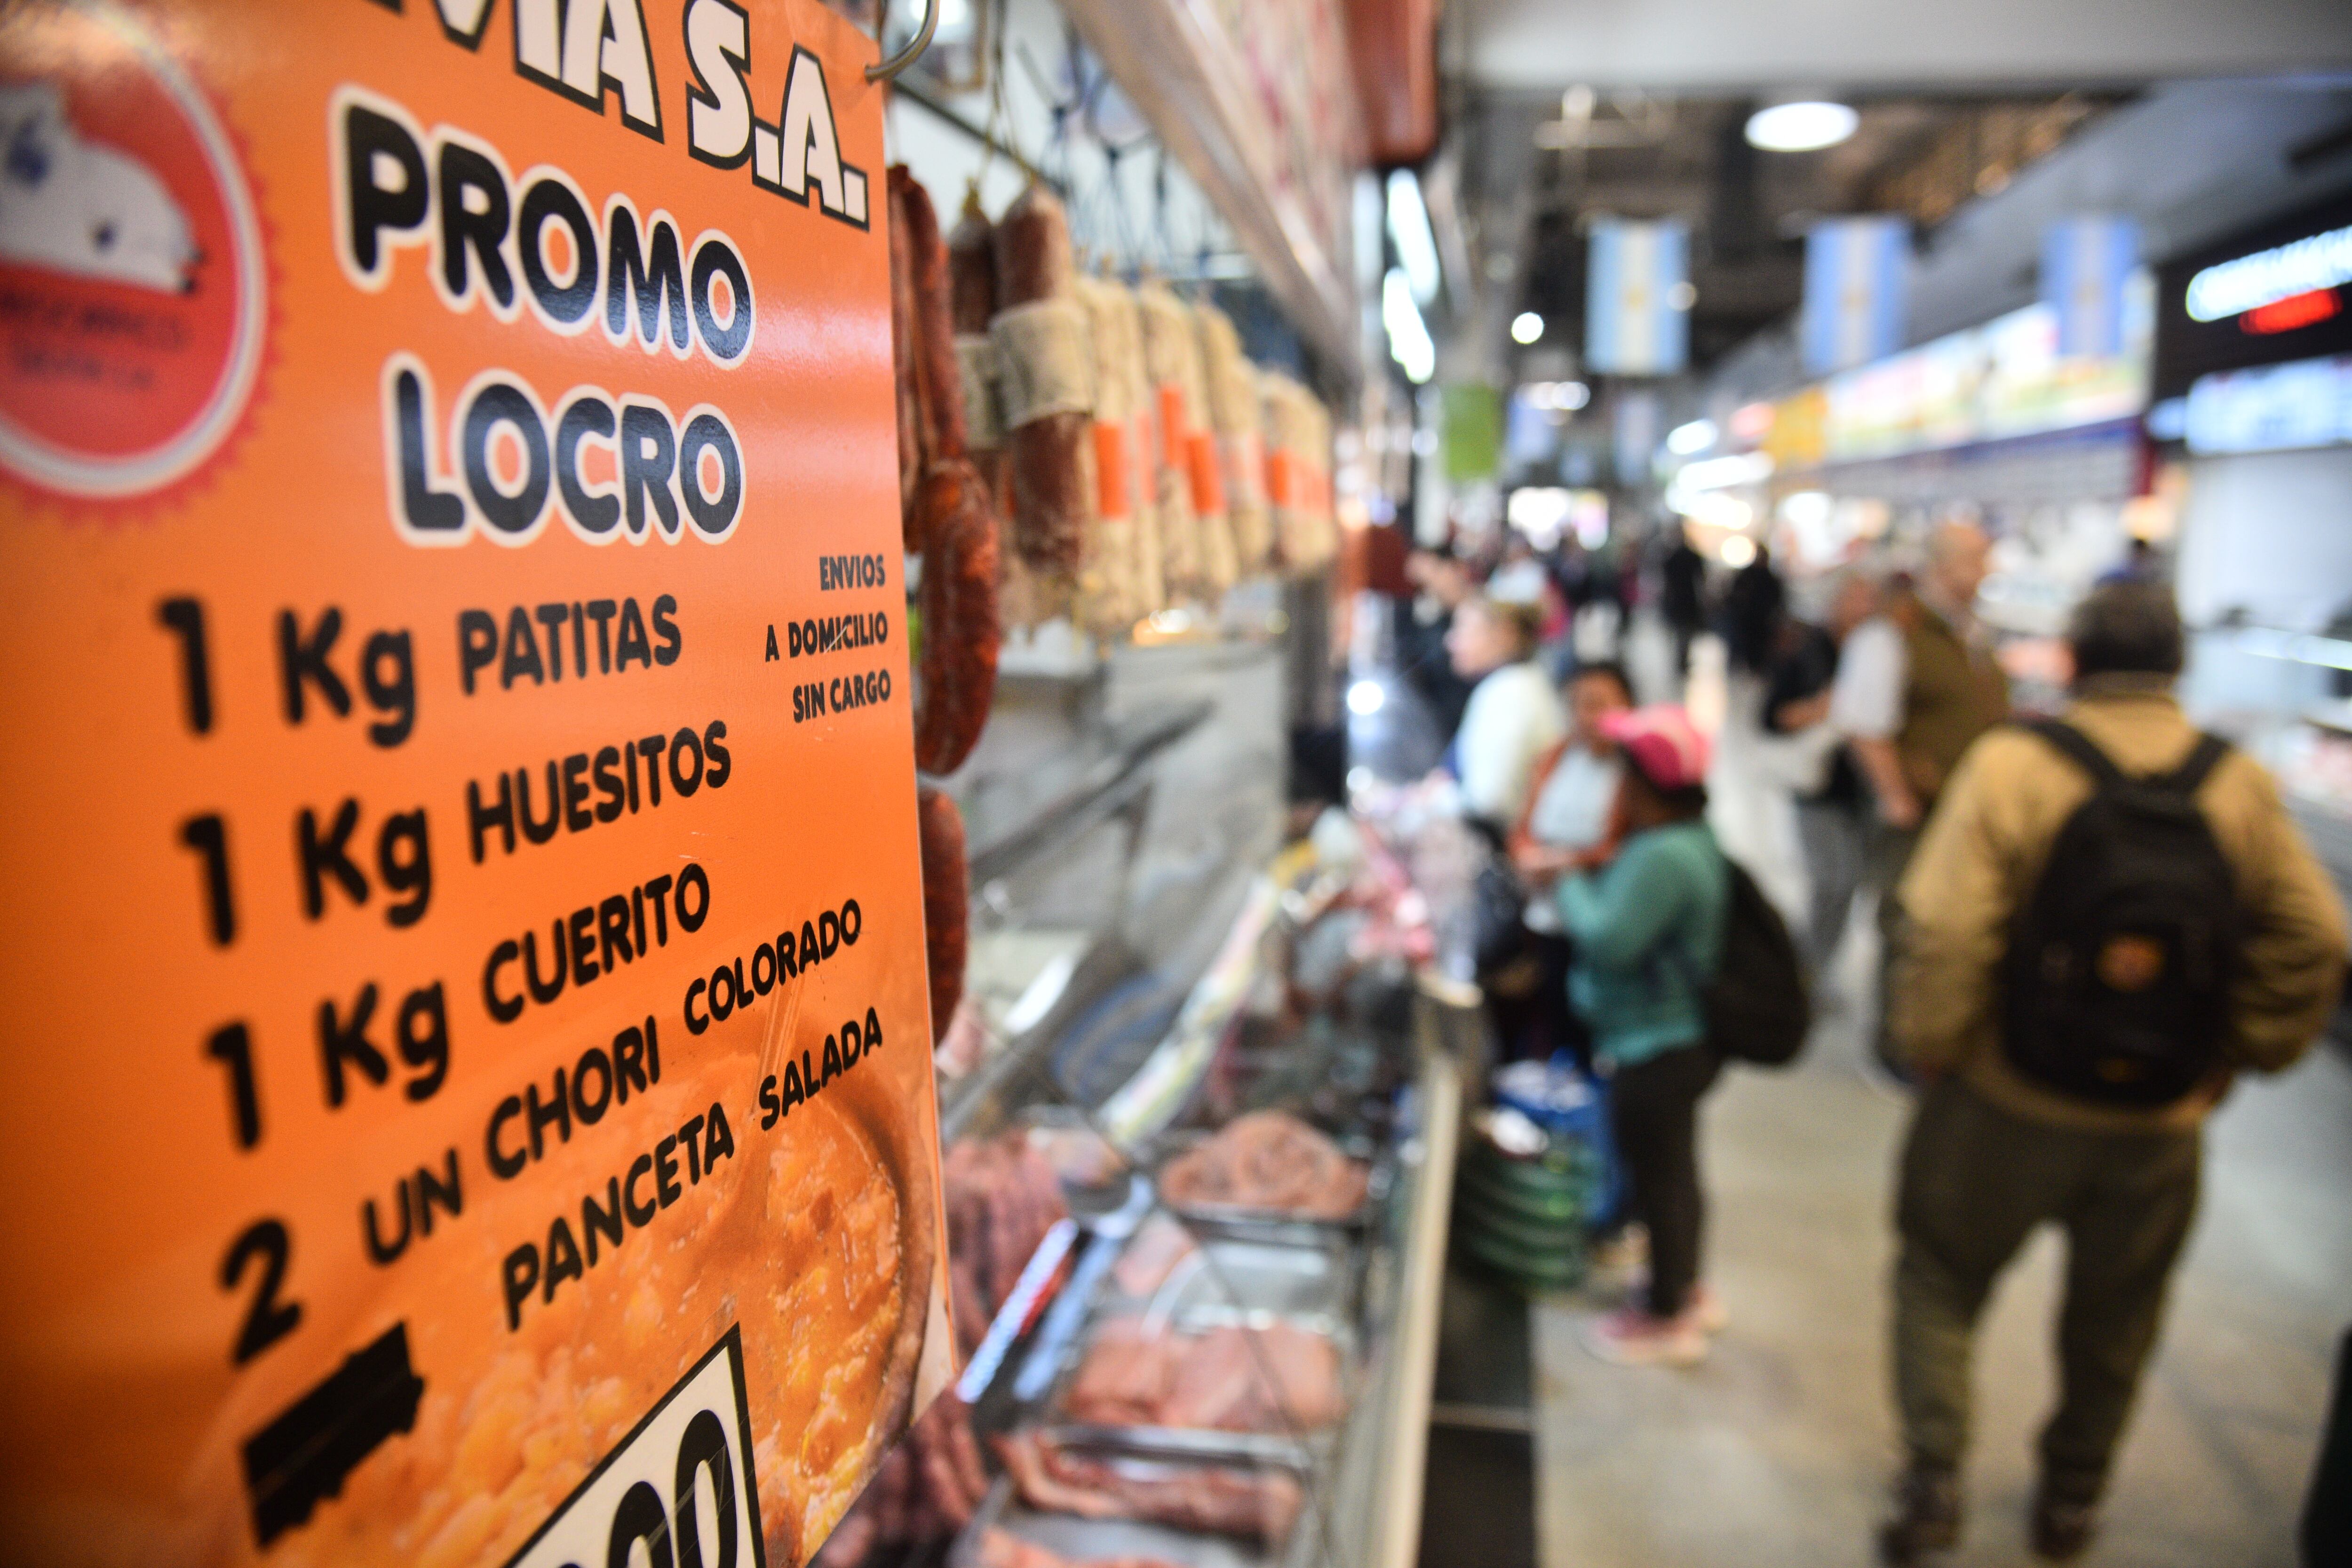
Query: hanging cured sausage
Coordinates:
[1047,388]
[959,627]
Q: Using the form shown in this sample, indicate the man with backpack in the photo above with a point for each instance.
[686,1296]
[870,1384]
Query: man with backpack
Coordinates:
[2105,921]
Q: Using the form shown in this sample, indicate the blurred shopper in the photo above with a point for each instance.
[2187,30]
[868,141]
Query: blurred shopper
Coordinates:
[2105,921]
[1520,575]
[1832,805]
[1513,716]
[1916,686]
[1440,584]
[1682,595]
[1523,577]
[1647,926]
[2139,564]
[1564,830]
[1754,607]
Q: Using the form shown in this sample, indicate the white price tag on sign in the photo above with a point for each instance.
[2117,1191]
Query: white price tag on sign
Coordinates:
[677,1493]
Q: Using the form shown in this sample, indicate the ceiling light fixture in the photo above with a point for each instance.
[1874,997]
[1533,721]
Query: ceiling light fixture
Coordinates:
[1527,327]
[1801,127]
[1556,396]
[1416,242]
[1409,339]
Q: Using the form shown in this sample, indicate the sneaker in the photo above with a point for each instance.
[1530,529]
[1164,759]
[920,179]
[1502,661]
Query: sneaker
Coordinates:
[2062,1529]
[1702,1306]
[1632,1337]
[1927,1517]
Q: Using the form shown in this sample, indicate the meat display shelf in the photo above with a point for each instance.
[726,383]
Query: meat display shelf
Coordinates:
[1376,1282]
[1236,1278]
[1108,784]
[1073,1538]
[1116,823]
[1200,1053]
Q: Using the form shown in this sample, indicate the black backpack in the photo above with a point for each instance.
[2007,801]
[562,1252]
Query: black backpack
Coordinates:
[2116,983]
[1756,1010]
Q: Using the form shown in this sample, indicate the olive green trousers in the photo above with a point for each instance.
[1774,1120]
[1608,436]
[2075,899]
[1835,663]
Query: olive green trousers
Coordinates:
[1976,1181]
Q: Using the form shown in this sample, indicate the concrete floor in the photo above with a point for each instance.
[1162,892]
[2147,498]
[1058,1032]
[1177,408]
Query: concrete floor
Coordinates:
[1778,1449]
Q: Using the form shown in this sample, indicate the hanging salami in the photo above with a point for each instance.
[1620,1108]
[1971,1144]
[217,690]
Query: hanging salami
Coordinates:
[947,901]
[960,625]
[931,385]
[1047,389]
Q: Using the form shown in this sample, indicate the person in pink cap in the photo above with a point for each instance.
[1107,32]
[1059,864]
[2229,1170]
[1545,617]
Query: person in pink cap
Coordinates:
[1648,925]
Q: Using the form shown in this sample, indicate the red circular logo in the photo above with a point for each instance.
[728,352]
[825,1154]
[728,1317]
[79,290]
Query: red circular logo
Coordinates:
[133,285]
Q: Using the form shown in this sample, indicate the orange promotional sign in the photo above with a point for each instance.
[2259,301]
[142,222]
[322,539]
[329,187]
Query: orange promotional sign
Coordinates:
[469,1093]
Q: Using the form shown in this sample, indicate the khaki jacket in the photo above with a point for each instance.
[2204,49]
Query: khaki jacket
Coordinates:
[1983,850]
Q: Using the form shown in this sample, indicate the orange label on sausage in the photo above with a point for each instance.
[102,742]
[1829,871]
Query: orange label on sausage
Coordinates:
[475,1097]
[1282,478]
[1175,426]
[1201,465]
[1114,470]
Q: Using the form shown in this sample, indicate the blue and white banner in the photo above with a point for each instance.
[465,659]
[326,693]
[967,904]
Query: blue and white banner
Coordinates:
[2086,263]
[1857,291]
[1633,435]
[1637,298]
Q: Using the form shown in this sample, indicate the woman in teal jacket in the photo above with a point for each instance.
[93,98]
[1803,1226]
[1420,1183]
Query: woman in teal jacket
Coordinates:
[1648,932]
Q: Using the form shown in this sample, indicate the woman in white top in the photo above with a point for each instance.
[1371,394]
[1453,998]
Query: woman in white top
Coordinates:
[1513,716]
[1564,830]
[1574,788]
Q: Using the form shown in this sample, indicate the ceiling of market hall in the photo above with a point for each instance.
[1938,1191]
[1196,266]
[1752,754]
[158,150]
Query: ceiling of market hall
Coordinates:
[1717,45]
[1967,117]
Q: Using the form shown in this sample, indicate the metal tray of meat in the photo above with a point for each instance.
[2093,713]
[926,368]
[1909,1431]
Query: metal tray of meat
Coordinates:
[1079,1540]
[1203,1446]
[1276,1225]
[1281,1443]
[1093,1173]
[1314,1280]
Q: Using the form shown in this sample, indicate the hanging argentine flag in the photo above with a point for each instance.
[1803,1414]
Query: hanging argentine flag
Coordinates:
[1857,291]
[1637,298]
[2086,262]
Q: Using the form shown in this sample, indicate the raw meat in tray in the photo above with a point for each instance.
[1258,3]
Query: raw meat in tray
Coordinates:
[1269,1162]
[1274,1379]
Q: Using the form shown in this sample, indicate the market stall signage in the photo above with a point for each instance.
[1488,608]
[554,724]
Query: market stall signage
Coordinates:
[472,1100]
[2273,294]
[2284,272]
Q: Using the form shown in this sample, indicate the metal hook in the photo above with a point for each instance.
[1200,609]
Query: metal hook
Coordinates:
[886,70]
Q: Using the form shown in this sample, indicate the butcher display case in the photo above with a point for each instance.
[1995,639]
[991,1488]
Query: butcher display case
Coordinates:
[1195,1241]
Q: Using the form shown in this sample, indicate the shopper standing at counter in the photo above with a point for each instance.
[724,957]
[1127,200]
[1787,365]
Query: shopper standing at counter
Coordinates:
[1513,716]
[1647,926]
[1832,805]
[1566,829]
[1916,686]
[1440,585]
[2074,1088]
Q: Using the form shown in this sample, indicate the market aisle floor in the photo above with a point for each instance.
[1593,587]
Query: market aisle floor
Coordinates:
[1778,1449]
